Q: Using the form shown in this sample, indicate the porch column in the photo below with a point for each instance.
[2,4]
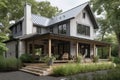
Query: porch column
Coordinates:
[77,49]
[94,50]
[109,51]
[49,47]
[33,48]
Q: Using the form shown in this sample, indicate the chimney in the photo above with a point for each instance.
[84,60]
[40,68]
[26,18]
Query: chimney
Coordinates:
[27,24]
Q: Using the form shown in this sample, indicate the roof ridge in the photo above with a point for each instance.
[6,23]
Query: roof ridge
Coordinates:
[72,8]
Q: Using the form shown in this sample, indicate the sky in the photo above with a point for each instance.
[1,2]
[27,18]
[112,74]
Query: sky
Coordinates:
[65,4]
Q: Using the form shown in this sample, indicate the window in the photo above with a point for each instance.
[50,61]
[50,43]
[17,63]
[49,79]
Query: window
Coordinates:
[83,29]
[15,29]
[38,29]
[62,29]
[84,15]
[20,26]
[51,30]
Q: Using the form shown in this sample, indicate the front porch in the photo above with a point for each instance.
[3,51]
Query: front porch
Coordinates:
[64,47]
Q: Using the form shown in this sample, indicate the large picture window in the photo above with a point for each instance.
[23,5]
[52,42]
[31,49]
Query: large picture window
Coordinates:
[62,29]
[83,29]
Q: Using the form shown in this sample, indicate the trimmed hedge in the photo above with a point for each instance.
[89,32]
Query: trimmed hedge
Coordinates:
[70,69]
[9,64]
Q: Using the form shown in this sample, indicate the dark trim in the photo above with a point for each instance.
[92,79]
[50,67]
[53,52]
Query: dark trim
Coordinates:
[92,17]
[10,40]
[21,21]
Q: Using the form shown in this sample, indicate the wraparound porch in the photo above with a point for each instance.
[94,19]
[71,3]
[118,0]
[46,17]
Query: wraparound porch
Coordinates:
[54,44]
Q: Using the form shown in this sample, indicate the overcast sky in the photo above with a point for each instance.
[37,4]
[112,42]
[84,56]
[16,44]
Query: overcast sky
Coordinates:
[65,4]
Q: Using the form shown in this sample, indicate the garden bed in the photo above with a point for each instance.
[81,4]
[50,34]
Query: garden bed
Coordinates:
[74,68]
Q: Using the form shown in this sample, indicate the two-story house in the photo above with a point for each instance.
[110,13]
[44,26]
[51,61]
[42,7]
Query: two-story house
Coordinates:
[71,32]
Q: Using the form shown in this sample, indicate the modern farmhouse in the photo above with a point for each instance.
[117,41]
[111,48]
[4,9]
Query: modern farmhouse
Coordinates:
[69,33]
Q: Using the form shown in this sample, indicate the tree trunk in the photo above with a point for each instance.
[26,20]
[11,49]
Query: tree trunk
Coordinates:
[119,50]
[118,39]
[102,50]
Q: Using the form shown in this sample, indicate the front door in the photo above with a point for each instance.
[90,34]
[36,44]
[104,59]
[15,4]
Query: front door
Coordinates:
[39,50]
[84,49]
[63,48]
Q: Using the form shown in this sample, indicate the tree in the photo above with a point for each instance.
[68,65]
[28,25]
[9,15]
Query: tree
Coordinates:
[45,9]
[14,9]
[111,8]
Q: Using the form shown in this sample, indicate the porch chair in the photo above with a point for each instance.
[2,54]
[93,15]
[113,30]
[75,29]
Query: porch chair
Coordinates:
[65,56]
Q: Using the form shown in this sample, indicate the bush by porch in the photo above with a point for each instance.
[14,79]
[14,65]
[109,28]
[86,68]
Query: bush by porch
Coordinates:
[74,68]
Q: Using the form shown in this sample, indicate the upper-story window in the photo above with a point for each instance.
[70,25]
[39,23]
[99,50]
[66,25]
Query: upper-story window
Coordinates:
[83,29]
[84,15]
[51,29]
[20,27]
[62,29]
[38,29]
[15,29]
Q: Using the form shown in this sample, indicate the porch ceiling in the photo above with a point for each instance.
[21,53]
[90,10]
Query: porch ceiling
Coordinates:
[64,38]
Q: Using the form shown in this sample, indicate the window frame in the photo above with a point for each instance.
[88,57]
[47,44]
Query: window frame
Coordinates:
[62,29]
[84,15]
[83,29]
[39,30]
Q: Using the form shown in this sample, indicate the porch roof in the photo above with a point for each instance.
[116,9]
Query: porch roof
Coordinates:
[64,38]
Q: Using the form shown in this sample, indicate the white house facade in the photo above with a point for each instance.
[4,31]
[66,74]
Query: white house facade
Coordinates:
[71,32]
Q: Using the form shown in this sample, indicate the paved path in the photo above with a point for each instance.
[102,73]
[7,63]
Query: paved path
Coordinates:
[18,75]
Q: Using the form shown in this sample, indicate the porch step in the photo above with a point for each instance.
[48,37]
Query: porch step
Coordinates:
[39,70]
[28,71]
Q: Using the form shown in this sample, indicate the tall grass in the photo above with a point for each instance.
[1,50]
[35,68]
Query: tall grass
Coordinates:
[69,69]
[9,64]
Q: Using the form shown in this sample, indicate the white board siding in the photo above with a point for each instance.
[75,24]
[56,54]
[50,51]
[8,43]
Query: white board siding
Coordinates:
[11,52]
[80,20]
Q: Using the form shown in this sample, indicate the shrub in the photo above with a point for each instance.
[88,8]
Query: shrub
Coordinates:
[116,60]
[26,58]
[48,60]
[95,58]
[111,59]
[69,69]
[79,59]
[13,63]
[9,64]
[113,74]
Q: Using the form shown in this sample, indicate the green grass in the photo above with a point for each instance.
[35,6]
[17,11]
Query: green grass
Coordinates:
[74,68]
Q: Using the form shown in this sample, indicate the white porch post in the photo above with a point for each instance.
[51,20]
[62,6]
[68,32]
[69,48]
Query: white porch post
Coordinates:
[77,49]
[94,50]
[49,47]
[109,51]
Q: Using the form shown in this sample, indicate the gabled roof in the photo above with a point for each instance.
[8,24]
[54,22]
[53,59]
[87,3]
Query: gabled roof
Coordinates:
[68,14]
[72,13]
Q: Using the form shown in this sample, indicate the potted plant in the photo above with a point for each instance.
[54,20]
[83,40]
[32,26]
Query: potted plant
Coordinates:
[51,61]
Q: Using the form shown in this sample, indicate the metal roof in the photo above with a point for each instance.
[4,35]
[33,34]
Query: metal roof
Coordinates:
[45,22]
[68,14]
[40,20]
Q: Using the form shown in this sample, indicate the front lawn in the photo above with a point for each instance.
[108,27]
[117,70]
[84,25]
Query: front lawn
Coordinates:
[74,68]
